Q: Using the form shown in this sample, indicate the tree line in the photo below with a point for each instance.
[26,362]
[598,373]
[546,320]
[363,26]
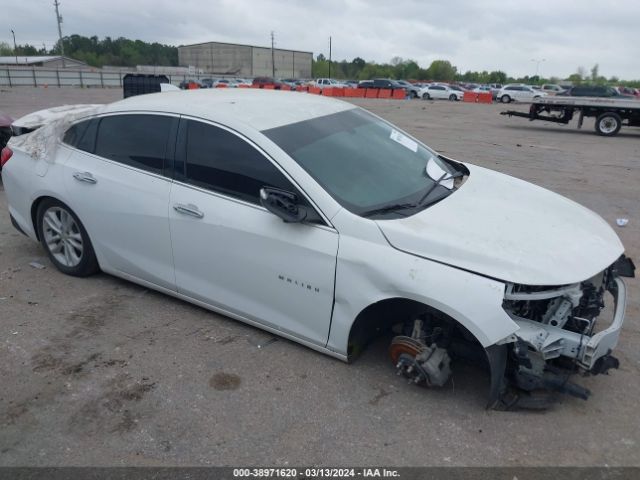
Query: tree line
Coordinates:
[120,52]
[123,52]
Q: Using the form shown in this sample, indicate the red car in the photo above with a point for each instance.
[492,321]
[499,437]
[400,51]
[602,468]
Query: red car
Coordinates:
[5,135]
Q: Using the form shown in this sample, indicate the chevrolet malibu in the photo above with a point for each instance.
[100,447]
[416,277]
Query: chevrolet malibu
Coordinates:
[316,220]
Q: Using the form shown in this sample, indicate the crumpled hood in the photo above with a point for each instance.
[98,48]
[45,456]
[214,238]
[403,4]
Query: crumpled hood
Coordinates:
[509,229]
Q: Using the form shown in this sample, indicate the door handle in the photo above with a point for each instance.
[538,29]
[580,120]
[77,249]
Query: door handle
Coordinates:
[189,209]
[85,177]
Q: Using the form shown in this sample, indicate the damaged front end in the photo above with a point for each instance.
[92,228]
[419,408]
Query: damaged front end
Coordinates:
[558,336]
[561,332]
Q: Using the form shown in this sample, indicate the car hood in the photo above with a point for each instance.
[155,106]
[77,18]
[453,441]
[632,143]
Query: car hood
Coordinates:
[508,229]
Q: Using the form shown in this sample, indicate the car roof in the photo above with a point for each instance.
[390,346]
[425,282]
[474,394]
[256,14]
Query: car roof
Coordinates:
[257,108]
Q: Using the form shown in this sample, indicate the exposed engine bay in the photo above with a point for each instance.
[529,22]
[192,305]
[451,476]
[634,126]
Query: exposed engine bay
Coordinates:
[559,336]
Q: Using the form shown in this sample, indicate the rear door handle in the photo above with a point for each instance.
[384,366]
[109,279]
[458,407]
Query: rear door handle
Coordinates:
[85,177]
[189,209]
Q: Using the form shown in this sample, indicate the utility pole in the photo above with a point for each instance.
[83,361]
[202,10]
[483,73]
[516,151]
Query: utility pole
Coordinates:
[15,48]
[538,62]
[56,4]
[329,57]
[273,61]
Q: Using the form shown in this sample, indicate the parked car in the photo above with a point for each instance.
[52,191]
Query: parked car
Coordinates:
[632,92]
[5,135]
[495,88]
[203,196]
[519,93]
[442,92]
[552,88]
[262,82]
[483,89]
[365,84]
[384,83]
[327,82]
[190,84]
[207,82]
[593,91]
[412,90]
[291,82]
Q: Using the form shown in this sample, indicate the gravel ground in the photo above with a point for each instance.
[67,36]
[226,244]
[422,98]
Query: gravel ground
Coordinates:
[100,371]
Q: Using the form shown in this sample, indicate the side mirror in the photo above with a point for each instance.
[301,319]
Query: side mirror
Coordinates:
[283,204]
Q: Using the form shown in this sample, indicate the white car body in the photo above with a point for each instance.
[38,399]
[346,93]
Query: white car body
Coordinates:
[519,93]
[328,82]
[440,92]
[320,283]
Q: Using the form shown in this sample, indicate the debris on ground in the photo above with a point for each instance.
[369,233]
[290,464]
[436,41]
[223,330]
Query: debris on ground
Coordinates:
[622,221]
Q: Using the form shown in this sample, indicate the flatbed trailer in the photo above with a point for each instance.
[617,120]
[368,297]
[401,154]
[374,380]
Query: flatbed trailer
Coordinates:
[610,113]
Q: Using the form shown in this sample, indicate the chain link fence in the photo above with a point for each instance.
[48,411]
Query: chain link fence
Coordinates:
[43,77]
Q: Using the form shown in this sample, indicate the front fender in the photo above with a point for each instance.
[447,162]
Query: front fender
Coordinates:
[369,271]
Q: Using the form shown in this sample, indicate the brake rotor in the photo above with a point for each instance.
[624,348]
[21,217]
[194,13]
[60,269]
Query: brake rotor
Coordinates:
[404,345]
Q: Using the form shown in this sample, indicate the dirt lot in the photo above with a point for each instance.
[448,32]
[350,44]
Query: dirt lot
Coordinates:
[100,371]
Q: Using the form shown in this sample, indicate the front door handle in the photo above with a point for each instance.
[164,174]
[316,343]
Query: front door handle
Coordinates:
[189,209]
[85,177]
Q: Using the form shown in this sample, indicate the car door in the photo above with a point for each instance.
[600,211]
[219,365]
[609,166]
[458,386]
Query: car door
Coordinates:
[439,92]
[115,181]
[234,255]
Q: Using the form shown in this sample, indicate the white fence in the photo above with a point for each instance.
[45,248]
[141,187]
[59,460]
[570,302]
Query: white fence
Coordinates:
[63,77]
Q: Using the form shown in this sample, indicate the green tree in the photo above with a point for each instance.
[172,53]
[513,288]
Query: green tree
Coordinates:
[441,70]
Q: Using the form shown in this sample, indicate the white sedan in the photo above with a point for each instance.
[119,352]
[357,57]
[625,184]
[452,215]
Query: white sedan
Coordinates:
[316,220]
[440,92]
[520,93]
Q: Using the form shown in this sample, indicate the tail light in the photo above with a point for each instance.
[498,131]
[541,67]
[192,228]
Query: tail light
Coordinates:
[5,156]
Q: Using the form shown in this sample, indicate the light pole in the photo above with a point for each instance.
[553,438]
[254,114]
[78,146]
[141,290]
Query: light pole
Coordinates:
[538,62]
[56,4]
[329,57]
[15,48]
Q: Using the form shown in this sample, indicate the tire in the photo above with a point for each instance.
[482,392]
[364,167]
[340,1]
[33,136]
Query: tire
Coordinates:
[414,94]
[426,96]
[59,228]
[608,124]
[505,99]
[452,97]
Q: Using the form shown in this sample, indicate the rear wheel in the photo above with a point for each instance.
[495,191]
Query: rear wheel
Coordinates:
[505,99]
[608,124]
[64,238]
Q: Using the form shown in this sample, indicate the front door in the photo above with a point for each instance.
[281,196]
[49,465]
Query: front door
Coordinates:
[233,254]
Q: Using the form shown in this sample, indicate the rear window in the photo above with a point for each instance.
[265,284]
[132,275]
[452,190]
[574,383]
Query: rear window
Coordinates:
[82,135]
[136,140]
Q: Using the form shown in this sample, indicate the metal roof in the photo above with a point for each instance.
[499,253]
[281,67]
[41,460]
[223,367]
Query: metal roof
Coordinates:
[27,60]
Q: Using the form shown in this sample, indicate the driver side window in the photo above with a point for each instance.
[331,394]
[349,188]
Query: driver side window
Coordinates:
[218,160]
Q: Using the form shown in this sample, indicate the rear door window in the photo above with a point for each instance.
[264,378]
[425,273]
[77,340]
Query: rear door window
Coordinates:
[136,140]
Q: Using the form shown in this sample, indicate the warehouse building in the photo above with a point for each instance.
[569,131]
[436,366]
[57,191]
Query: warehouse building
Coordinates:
[245,60]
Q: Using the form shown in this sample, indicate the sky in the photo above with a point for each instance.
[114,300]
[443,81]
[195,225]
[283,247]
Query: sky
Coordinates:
[553,38]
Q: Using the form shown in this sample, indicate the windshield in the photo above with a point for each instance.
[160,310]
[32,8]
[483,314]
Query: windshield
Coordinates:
[365,163]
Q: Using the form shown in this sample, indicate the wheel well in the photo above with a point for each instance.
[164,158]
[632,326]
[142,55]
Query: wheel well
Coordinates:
[34,212]
[379,317]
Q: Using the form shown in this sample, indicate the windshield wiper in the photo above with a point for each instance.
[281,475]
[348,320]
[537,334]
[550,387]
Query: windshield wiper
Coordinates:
[388,208]
[437,182]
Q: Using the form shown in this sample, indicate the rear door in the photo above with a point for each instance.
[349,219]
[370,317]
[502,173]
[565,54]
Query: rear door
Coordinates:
[231,253]
[116,185]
